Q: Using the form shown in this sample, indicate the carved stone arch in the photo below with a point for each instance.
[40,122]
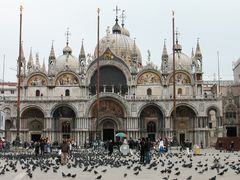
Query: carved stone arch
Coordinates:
[33,107]
[116,121]
[215,108]
[69,105]
[153,113]
[151,104]
[118,98]
[149,76]
[37,79]
[191,106]
[66,78]
[184,74]
[120,65]
[7,111]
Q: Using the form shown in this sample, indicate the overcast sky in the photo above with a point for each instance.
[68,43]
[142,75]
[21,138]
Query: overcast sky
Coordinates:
[215,22]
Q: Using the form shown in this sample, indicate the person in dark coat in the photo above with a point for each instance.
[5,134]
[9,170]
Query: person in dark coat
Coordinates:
[37,147]
[110,148]
[142,150]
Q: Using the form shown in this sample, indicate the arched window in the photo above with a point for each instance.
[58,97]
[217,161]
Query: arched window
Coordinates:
[149,91]
[37,93]
[67,92]
[179,92]
[151,127]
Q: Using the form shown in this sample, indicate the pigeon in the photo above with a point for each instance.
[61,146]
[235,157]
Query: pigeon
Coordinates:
[63,175]
[99,177]
[189,178]
[74,175]
[213,178]
[125,175]
[177,173]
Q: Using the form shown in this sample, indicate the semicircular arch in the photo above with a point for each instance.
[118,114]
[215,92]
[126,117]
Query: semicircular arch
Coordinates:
[37,79]
[67,78]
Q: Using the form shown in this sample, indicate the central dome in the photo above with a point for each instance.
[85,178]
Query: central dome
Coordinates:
[67,60]
[120,43]
[182,61]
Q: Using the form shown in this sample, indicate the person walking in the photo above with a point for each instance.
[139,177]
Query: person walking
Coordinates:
[64,152]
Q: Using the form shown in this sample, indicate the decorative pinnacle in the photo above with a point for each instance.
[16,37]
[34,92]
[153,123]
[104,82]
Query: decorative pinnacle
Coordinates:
[98,11]
[173,13]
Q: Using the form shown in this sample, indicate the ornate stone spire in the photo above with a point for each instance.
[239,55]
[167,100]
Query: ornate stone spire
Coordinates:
[51,62]
[198,53]
[37,67]
[82,52]
[164,65]
[52,53]
[43,69]
[164,52]
[192,53]
[30,64]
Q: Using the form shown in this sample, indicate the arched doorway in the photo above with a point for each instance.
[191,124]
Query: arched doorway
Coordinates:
[151,122]
[8,126]
[111,118]
[183,123]
[64,118]
[33,120]
[108,130]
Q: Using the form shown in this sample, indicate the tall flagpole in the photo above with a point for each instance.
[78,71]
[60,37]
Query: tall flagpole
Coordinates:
[218,73]
[3,73]
[98,74]
[17,141]
[174,78]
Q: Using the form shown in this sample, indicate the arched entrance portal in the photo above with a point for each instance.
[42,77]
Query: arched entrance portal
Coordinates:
[33,120]
[111,118]
[64,118]
[184,124]
[151,122]
[108,130]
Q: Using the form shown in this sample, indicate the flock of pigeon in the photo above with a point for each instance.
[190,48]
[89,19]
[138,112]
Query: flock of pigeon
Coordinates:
[96,164]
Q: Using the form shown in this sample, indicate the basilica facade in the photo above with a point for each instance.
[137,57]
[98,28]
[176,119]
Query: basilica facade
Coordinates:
[61,102]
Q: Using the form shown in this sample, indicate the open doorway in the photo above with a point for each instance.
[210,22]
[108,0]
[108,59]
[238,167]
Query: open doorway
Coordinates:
[35,137]
[231,131]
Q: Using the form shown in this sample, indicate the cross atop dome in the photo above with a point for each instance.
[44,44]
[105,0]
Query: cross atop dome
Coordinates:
[116,11]
[67,34]
[123,17]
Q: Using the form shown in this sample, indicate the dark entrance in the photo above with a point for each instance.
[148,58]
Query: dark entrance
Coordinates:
[108,134]
[182,138]
[231,131]
[152,137]
[35,137]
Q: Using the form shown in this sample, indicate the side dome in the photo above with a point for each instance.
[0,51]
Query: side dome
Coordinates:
[182,62]
[67,60]
[121,45]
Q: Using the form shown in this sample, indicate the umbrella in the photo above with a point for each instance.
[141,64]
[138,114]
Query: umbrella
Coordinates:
[121,134]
